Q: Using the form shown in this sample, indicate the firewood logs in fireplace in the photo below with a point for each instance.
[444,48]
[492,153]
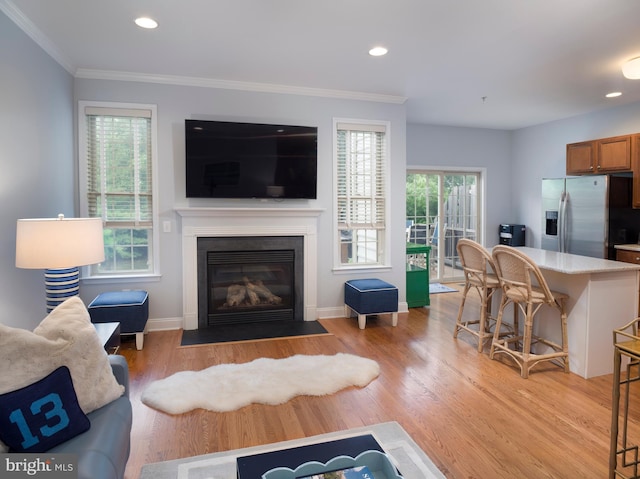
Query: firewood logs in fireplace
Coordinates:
[251,293]
[235,295]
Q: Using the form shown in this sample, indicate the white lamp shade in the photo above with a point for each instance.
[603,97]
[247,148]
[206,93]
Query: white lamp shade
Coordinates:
[631,69]
[54,243]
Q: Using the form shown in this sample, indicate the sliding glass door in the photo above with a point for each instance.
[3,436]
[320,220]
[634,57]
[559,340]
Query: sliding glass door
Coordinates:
[442,207]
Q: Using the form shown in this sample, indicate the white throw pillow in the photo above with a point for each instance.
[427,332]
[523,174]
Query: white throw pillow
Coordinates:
[65,337]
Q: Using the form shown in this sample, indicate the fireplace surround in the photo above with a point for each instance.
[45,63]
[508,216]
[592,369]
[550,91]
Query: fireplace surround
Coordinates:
[250,279]
[205,222]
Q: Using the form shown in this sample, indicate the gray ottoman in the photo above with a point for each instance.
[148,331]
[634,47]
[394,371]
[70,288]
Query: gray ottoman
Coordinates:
[129,308]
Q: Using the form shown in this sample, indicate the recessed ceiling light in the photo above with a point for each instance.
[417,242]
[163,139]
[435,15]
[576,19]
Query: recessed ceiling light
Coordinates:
[378,51]
[146,22]
[613,94]
[631,69]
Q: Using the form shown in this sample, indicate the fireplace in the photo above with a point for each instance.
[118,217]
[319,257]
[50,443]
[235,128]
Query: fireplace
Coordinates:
[250,279]
[216,222]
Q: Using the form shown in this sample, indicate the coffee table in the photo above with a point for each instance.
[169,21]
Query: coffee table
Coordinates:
[251,467]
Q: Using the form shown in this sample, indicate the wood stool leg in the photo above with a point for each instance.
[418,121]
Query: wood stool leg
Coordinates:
[460,309]
[362,320]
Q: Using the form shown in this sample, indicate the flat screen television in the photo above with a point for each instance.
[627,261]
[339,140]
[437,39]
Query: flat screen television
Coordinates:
[250,160]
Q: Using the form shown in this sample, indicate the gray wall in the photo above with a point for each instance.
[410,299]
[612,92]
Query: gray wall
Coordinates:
[432,146]
[540,152]
[37,143]
[38,176]
[176,103]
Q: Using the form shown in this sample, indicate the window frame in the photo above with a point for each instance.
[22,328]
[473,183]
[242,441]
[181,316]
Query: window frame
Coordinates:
[384,241]
[83,169]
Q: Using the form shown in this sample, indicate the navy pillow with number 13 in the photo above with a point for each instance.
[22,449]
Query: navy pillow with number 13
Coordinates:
[42,415]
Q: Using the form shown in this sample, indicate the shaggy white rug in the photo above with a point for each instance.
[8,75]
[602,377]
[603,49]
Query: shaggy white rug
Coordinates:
[226,387]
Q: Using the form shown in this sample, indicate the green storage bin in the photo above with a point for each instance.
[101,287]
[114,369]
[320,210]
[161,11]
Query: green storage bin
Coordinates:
[418,275]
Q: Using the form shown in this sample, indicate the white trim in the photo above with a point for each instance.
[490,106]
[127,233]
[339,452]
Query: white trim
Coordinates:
[201,222]
[376,125]
[163,324]
[338,311]
[33,32]
[236,85]
[47,45]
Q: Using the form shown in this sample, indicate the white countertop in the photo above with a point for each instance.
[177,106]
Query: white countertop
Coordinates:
[575,264]
[628,247]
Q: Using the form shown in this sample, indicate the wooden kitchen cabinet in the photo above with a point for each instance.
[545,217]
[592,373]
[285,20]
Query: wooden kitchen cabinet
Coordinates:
[614,154]
[635,165]
[606,155]
[581,158]
[628,256]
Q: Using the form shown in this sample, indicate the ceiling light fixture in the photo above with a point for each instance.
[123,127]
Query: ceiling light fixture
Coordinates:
[613,94]
[146,22]
[378,51]
[631,69]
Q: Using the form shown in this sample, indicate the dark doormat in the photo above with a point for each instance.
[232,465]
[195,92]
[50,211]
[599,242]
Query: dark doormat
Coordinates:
[227,333]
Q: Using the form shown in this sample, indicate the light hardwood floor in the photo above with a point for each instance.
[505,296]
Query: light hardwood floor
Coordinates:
[475,417]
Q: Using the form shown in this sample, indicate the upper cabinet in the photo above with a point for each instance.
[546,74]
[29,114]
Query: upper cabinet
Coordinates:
[607,155]
[635,156]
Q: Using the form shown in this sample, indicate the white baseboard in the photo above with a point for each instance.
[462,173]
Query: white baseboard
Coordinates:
[164,324]
[338,312]
[167,324]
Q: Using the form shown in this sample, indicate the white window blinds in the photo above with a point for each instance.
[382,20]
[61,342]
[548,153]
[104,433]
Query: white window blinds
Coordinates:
[119,166]
[360,178]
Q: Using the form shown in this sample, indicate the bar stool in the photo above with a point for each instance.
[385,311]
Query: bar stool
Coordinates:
[516,272]
[478,268]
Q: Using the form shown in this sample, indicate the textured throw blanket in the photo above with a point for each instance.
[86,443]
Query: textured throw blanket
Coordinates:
[226,387]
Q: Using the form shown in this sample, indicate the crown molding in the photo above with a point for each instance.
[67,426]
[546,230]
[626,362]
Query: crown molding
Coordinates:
[235,85]
[21,20]
[27,26]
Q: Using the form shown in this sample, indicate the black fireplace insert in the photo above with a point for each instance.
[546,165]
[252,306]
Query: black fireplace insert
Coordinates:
[250,279]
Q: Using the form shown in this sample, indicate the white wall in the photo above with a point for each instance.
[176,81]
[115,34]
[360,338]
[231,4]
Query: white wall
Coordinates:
[176,103]
[540,152]
[36,159]
[433,146]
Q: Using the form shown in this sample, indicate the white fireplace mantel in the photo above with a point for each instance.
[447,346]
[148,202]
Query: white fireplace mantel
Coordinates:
[212,222]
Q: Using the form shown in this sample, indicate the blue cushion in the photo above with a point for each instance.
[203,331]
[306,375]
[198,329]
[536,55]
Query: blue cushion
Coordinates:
[129,308]
[42,415]
[371,296]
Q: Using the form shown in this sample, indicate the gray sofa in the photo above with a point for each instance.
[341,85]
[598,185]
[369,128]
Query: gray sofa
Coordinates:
[104,449]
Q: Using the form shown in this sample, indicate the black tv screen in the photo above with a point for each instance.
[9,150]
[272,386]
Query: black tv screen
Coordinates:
[250,160]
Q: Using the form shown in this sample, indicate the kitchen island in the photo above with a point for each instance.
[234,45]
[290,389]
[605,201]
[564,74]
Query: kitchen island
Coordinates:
[603,295]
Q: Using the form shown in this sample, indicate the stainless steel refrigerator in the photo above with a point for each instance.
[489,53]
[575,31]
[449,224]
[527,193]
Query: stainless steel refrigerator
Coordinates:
[588,215]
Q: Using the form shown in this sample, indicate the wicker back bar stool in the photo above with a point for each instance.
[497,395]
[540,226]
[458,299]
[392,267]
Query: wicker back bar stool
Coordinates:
[524,286]
[478,268]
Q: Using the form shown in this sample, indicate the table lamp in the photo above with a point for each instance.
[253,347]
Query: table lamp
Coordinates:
[59,246]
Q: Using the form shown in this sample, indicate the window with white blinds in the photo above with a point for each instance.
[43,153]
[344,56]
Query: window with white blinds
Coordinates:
[118,185]
[361,162]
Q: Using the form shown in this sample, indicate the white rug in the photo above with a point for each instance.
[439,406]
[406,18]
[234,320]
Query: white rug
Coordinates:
[226,387]
[406,455]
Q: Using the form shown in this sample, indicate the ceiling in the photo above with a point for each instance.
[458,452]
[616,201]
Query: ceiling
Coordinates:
[502,64]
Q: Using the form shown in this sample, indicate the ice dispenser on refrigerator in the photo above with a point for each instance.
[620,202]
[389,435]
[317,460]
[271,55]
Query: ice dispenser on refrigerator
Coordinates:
[512,235]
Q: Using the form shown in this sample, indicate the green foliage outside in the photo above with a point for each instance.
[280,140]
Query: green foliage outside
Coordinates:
[122,167]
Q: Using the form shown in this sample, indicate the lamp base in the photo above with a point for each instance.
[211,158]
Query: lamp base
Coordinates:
[60,284]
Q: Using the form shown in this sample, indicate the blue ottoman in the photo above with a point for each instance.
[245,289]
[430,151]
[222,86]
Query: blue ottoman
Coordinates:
[370,296]
[129,308]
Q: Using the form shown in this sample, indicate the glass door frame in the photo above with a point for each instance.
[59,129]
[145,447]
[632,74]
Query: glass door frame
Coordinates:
[437,231]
